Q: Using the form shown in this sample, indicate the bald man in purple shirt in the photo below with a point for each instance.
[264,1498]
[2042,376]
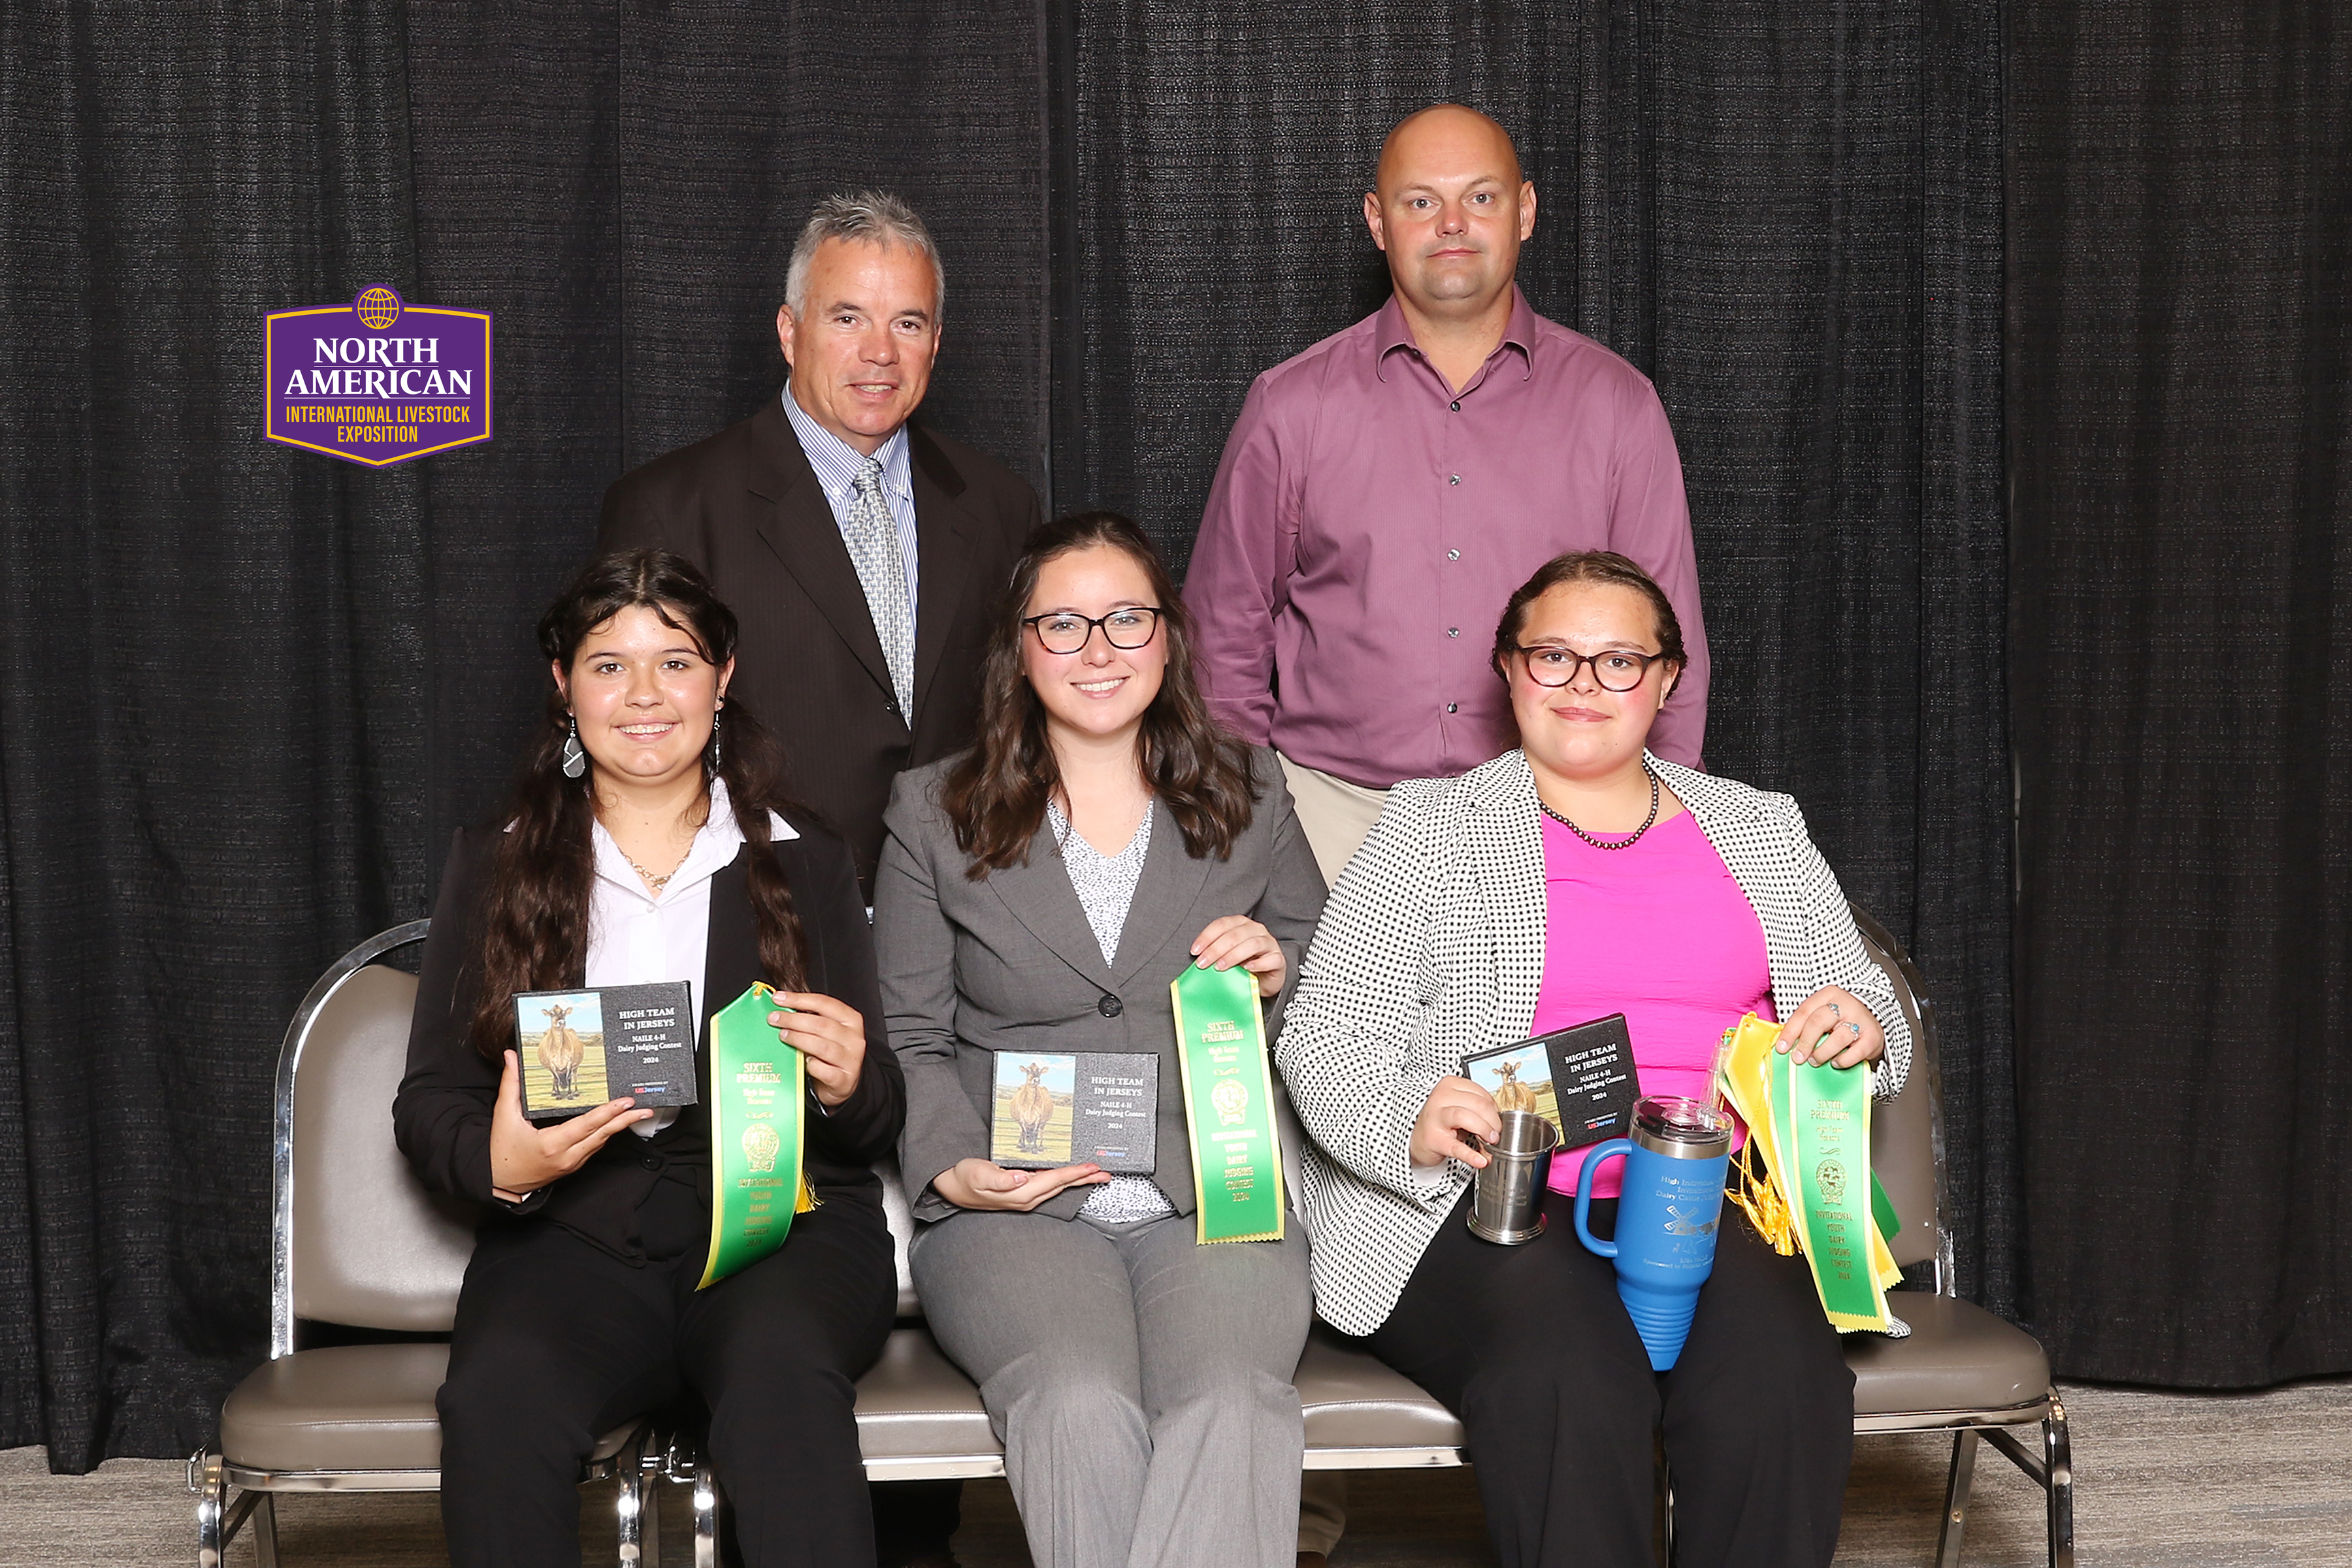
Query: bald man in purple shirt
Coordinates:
[1383,493]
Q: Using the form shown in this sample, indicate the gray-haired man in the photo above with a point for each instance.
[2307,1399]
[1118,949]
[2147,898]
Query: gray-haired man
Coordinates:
[862,552]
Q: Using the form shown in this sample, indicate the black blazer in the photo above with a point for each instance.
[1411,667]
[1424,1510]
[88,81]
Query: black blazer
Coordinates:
[442,1115]
[746,508]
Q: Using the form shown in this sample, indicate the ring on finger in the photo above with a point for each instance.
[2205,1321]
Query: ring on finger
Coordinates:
[1855,1027]
[1833,1011]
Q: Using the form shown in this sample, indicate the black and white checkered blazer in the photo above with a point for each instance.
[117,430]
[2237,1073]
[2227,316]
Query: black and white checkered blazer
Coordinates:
[1433,945]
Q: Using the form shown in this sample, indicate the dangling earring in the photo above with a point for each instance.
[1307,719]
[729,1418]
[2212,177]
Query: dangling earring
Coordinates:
[575,755]
[714,743]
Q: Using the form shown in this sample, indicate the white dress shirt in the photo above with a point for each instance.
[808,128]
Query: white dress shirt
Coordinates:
[638,938]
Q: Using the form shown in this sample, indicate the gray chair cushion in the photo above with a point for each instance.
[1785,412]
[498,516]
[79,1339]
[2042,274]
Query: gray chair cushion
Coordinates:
[916,1404]
[1959,1357]
[1353,1400]
[348,1407]
[345,1409]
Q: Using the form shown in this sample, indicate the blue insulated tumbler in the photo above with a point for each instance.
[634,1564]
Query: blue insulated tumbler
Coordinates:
[1666,1218]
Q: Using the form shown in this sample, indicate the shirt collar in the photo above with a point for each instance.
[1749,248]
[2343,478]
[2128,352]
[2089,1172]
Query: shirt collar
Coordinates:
[836,462]
[1391,332]
[716,843]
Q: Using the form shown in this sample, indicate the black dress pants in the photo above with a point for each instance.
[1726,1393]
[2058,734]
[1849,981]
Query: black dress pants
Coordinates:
[1531,1348]
[558,1342]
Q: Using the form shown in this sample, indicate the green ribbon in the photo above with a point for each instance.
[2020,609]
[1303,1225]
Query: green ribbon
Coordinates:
[1228,1105]
[1821,1118]
[757,1086]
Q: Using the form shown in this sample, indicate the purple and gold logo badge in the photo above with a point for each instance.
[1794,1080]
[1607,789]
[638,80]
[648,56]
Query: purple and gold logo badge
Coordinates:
[379,381]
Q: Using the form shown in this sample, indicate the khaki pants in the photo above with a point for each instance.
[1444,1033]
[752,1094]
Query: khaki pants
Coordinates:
[1335,815]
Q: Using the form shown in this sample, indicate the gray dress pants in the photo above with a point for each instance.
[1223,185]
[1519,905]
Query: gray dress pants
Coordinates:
[1139,1382]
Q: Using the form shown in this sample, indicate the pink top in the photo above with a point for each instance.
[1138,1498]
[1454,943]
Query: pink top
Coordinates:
[1661,933]
[1367,521]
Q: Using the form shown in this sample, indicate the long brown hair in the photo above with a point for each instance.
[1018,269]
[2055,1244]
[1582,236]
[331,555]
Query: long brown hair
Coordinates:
[532,921]
[995,795]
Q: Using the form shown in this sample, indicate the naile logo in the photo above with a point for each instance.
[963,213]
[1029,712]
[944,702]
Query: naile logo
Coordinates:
[378,381]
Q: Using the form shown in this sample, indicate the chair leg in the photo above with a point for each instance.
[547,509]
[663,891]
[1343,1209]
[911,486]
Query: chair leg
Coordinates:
[264,1529]
[1956,1498]
[629,1512]
[207,1480]
[649,1520]
[706,1518]
[2058,1484]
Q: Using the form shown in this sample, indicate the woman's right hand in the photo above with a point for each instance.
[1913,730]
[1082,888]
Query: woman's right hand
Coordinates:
[978,1184]
[1455,1106]
[525,1157]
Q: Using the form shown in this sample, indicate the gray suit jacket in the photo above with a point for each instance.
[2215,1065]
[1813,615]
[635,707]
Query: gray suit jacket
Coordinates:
[1010,963]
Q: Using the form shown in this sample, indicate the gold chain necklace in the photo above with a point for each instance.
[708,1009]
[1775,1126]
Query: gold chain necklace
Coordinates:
[659,883]
[655,883]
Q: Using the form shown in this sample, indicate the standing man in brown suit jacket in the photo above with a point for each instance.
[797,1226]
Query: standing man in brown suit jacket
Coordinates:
[862,552]
[863,555]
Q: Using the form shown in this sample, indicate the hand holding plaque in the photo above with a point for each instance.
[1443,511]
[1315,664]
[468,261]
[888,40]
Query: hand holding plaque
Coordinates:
[978,1184]
[526,1156]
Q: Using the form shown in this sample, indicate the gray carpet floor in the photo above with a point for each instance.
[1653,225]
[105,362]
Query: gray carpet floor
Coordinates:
[2162,1481]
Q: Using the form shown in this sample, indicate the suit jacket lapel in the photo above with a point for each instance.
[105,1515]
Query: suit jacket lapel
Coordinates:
[731,953]
[942,543]
[806,539]
[1507,846]
[1166,893]
[1038,894]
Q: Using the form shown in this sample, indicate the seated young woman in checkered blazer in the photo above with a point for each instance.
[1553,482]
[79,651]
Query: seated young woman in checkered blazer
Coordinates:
[1576,877]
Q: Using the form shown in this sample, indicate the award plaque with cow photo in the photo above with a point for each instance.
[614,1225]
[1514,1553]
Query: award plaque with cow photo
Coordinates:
[582,1047]
[1580,1079]
[1054,1108]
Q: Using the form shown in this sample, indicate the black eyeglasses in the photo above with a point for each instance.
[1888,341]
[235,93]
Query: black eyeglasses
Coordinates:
[1616,668]
[1125,629]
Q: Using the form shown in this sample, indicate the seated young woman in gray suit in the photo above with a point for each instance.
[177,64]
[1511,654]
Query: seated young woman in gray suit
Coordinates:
[649,839]
[1577,877]
[1038,894]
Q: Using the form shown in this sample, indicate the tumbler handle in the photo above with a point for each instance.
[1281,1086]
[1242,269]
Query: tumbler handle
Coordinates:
[1616,1146]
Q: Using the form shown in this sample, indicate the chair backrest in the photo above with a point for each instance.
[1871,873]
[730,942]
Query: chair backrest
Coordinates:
[1907,1134]
[357,1240]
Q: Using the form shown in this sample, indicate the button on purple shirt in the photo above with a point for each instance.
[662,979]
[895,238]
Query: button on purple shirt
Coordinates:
[1367,524]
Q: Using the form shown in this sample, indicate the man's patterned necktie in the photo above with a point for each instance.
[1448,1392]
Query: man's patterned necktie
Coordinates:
[873,541]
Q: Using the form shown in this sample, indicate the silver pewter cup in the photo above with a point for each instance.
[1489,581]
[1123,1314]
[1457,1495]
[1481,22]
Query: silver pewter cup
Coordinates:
[1507,1205]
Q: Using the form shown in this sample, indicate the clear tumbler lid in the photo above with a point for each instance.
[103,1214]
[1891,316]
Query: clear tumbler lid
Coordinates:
[1673,1119]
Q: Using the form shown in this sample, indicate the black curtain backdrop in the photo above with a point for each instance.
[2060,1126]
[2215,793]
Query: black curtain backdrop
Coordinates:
[1789,216]
[2181,238]
[245,690]
[248,690]
[622,186]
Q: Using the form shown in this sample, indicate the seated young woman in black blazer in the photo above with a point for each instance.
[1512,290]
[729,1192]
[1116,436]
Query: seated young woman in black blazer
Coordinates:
[671,855]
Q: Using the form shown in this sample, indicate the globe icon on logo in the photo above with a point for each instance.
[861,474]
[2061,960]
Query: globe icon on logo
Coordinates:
[378,308]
